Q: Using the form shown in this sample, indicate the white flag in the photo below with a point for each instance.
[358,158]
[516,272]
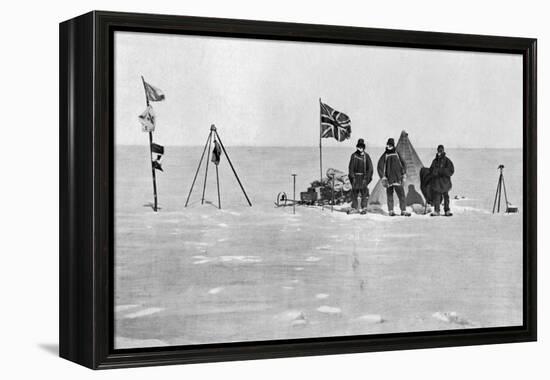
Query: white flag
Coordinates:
[147,120]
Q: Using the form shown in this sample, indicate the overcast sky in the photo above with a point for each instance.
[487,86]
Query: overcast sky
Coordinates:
[267,92]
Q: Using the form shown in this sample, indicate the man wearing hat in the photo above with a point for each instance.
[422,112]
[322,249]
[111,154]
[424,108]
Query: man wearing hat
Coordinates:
[442,169]
[392,170]
[360,175]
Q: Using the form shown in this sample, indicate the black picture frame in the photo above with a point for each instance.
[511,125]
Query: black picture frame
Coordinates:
[86,189]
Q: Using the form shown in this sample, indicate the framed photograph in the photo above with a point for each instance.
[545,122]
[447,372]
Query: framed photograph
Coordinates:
[235,189]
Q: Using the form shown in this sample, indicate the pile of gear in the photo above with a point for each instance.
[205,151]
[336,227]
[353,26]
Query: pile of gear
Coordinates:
[335,189]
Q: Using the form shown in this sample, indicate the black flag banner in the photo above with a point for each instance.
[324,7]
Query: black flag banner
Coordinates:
[159,151]
[216,153]
[334,123]
[156,148]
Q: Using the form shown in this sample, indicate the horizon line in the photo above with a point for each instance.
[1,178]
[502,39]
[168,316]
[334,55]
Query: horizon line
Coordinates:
[315,146]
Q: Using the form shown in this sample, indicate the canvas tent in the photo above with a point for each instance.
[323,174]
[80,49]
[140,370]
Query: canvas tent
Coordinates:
[377,199]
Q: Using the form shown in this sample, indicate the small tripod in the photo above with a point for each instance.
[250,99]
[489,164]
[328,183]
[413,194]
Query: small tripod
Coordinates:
[498,194]
[214,135]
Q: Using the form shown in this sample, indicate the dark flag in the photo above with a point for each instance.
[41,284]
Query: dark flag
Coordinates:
[334,123]
[153,94]
[216,153]
[159,151]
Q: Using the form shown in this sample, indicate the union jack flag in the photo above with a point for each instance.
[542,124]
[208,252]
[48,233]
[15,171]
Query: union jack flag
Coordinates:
[334,123]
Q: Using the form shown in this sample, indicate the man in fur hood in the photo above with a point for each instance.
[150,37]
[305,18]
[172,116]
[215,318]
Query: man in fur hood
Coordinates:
[392,170]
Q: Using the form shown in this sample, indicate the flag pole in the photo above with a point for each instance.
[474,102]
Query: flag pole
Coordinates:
[155,204]
[320,145]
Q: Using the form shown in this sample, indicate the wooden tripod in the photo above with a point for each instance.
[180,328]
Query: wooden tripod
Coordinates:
[500,186]
[214,135]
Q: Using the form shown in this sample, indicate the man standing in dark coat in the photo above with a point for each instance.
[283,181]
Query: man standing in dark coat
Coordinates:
[360,172]
[442,169]
[392,170]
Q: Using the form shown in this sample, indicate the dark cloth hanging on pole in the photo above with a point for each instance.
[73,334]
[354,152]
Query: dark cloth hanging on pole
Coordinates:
[216,153]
